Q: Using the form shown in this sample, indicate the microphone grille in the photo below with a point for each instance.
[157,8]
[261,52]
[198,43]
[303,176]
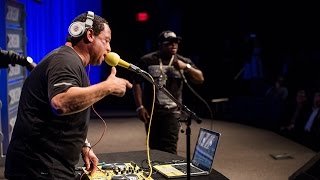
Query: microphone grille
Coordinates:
[112,59]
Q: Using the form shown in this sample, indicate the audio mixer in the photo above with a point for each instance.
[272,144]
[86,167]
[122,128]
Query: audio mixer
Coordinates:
[115,171]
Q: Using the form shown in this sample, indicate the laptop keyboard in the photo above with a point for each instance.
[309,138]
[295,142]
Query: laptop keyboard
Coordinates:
[183,168]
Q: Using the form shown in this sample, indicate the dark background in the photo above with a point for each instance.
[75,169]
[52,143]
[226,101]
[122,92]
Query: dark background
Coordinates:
[216,35]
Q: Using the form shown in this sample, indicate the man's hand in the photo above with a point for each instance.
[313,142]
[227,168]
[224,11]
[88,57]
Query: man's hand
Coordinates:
[116,85]
[90,159]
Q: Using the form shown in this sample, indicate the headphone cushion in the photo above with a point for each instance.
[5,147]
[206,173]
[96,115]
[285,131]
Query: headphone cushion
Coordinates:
[76,29]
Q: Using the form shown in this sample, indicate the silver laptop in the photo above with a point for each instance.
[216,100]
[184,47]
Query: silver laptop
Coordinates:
[202,159]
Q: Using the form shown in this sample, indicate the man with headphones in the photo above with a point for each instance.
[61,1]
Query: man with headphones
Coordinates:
[54,109]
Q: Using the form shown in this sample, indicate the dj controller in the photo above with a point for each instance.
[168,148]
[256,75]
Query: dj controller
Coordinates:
[115,171]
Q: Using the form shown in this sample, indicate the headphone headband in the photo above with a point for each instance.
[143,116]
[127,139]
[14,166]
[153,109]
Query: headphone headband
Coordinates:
[89,20]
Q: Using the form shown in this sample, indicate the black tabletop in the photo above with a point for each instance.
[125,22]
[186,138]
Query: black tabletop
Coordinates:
[156,156]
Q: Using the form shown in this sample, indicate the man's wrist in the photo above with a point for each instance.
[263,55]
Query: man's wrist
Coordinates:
[139,108]
[188,67]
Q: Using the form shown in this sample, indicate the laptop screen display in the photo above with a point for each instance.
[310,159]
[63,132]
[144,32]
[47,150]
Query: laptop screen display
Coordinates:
[205,149]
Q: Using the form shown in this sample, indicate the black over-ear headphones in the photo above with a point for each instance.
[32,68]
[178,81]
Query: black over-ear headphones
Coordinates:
[77,29]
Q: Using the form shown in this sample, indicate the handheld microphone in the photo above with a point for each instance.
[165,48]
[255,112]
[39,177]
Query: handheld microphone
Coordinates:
[113,59]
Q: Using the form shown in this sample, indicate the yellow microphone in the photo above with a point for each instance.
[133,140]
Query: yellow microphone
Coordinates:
[113,59]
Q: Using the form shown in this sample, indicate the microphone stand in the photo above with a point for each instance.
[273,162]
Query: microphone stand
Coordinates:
[191,115]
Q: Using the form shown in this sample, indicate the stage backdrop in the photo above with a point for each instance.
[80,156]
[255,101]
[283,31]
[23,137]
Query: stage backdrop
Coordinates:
[47,23]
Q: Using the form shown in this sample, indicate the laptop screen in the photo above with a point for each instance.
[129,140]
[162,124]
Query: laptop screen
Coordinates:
[205,149]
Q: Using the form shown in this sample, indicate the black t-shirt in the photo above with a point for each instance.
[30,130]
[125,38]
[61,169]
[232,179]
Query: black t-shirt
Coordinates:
[165,75]
[43,144]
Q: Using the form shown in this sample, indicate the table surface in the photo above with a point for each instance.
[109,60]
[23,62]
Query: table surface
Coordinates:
[140,159]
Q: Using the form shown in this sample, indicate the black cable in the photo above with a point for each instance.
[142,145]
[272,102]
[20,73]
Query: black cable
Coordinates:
[196,94]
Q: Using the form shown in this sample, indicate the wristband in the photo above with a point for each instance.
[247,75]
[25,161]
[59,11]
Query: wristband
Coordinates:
[87,145]
[188,67]
[139,108]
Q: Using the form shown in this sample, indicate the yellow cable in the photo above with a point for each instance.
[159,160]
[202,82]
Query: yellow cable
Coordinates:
[151,115]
